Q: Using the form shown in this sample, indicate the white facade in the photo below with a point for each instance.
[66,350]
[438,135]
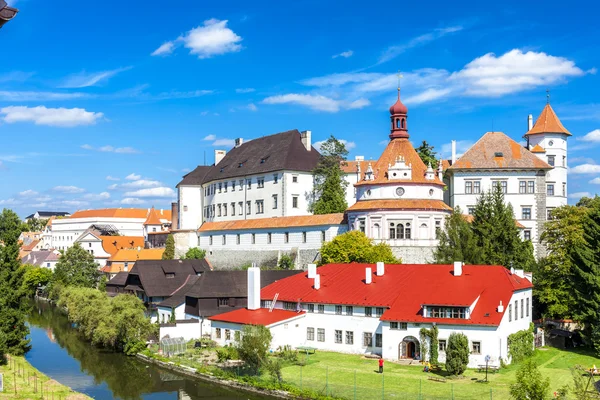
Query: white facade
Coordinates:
[190,206]
[93,245]
[555,145]
[66,231]
[164,313]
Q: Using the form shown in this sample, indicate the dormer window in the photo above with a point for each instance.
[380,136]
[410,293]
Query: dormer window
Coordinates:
[169,275]
[446,312]
[240,165]
[262,160]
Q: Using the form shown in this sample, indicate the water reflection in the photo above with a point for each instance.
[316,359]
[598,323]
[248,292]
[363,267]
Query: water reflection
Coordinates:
[60,353]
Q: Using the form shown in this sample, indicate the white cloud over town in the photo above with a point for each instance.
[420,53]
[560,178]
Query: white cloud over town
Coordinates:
[158,192]
[40,115]
[87,79]
[68,189]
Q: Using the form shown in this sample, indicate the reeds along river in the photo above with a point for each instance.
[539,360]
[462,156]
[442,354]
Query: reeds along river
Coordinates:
[59,352]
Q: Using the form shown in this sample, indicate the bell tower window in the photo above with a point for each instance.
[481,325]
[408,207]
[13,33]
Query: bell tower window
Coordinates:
[397,122]
[402,123]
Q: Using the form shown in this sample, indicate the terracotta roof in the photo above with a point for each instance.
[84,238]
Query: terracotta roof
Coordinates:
[496,150]
[132,255]
[404,288]
[49,223]
[262,316]
[31,245]
[548,122]
[396,148]
[537,149]
[349,167]
[469,218]
[196,177]
[276,222]
[400,204]
[141,213]
[153,218]
[112,244]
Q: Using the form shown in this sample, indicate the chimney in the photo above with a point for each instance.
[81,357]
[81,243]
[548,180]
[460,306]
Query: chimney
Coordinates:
[219,155]
[453,152]
[312,271]
[359,158]
[368,276]
[529,276]
[520,273]
[317,284]
[512,270]
[239,142]
[529,122]
[500,307]
[458,268]
[175,215]
[253,288]
[380,268]
[306,136]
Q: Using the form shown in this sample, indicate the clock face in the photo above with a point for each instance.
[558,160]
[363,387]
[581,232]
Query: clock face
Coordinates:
[550,143]
[399,191]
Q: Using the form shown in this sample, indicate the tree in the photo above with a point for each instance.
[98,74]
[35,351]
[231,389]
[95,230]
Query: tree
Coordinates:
[12,309]
[457,353]
[34,225]
[34,277]
[169,253]
[530,384]
[355,246]
[253,346]
[329,182]
[427,155]
[76,267]
[457,241]
[285,262]
[193,253]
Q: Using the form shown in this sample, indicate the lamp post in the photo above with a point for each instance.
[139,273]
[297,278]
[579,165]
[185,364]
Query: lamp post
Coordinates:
[6,13]
[487,360]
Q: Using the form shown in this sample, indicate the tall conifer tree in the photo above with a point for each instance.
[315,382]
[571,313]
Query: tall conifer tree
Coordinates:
[329,182]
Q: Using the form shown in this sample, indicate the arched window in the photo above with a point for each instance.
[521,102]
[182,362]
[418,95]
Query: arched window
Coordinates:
[407,231]
[423,231]
[376,231]
[400,231]
[397,122]
[392,230]
[402,123]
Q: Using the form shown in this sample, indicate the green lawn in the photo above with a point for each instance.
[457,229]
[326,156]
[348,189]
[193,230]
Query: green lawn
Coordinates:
[335,374]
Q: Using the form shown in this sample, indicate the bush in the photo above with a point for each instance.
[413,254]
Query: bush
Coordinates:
[253,346]
[530,384]
[285,262]
[520,344]
[457,353]
[355,246]
[286,353]
[227,353]
[195,254]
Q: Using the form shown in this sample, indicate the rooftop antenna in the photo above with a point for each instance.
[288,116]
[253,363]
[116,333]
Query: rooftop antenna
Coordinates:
[547,96]
[400,76]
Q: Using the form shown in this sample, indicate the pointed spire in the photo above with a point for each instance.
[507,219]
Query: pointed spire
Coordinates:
[548,122]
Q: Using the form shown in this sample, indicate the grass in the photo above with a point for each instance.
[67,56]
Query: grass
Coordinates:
[32,384]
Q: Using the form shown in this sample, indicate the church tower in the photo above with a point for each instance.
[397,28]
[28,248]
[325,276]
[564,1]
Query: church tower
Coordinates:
[399,120]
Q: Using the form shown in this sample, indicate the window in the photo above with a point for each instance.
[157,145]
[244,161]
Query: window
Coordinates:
[294,178]
[368,312]
[320,335]
[393,325]
[321,308]
[275,178]
[310,333]
[470,210]
[338,336]
[476,348]
[241,208]
[442,345]
[402,326]
[224,209]
[349,337]
[564,161]
[253,238]
[527,235]
[224,239]
[527,307]
[564,187]
[367,339]
[225,187]
[89,245]
[550,189]
[233,209]
[349,310]
[233,186]
[509,312]
[303,237]
[446,312]
[227,334]
[522,308]
[289,305]
[530,186]
[237,238]
[218,333]
[294,201]
[249,183]
[468,187]
[241,183]
[503,186]
[269,238]
[286,237]
[260,182]
[260,206]
[378,341]
[551,160]
[476,187]
[219,210]
[220,186]
[223,301]
[248,207]
[526,213]
[378,311]
[322,236]
[516,310]
[310,308]
[549,214]
[274,202]
[338,310]
[522,187]
[210,240]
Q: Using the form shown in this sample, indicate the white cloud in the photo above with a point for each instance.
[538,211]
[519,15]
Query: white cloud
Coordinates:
[579,195]
[16,76]
[133,177]
[394,51]
[126,150]
[461,147]
[593,136]
[585,169]
[427,96]
[344,54]
[68,189]
[112,178]
[73,203]
[245,90]
[114,186]
[164,49]
[28,193]
[140,183]
[314,102]
[341,79]
[360,103]
[349,145]
[111,149]
[224,142]
[61,117]
[87,147]
[210,137]
[132,201]
[252,107]
[20,96]
[158,192]
[87,79]
[384,142]
[595,181]
[97,196]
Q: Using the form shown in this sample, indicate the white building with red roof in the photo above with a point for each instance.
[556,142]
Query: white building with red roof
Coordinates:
[380,309]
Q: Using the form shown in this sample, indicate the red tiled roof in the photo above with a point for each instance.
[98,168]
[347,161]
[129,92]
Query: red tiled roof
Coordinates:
[119,213]
[276,222]
[548,122]
[153,218]
[112,244]
[400,204]
[350,167]
[404,288]
[396,148]
[31,245]
[537,149]
[133,255]
[262,316]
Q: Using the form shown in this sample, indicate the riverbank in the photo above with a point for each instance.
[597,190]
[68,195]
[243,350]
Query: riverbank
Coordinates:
[32,384]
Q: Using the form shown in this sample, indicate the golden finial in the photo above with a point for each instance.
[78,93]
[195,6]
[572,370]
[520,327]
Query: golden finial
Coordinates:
[400,76]
[547,96]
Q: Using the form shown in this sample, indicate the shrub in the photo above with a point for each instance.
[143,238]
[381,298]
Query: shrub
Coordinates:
[530,384]
[520,345]
[286,353]
[457,353]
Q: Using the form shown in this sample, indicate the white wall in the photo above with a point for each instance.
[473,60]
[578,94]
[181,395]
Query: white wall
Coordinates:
[190,207]
[93,245]
[164,313]
[187,330]
[66,231]
[558,175]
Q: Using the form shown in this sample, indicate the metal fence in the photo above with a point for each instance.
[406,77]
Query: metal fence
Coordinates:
[22,380]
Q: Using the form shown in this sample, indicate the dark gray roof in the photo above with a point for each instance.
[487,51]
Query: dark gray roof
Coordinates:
[178,297]
[119,279]
[152,274]
[37,258]
[48,214]
[196,177]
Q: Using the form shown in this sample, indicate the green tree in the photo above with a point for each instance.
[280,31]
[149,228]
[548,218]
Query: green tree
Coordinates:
[13,330]
[329,183]
[194,253]
[34,225]
[34,277]
[253,346]
[76,267]
[457,241]
[427,155]
[169,253]
[285,262]
[457,353]
[355,246]
[530,384]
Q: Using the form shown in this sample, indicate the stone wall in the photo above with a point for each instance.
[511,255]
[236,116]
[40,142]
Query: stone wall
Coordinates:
[233,259]
[414,254]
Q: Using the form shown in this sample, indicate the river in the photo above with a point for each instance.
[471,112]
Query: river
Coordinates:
[59,352]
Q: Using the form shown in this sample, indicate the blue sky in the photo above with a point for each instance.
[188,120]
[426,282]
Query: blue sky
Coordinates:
[109,104]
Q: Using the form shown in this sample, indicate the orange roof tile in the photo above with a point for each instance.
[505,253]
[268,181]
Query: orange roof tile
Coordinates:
[400,204]
[31,245]
[350,167]
[485,155]
[49,223]
[396,148]
[548,122]
[153,218]
[132,255]
[277,222]
[537,149]
[112,244]
[115,268]
[469,218]
[141,213]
